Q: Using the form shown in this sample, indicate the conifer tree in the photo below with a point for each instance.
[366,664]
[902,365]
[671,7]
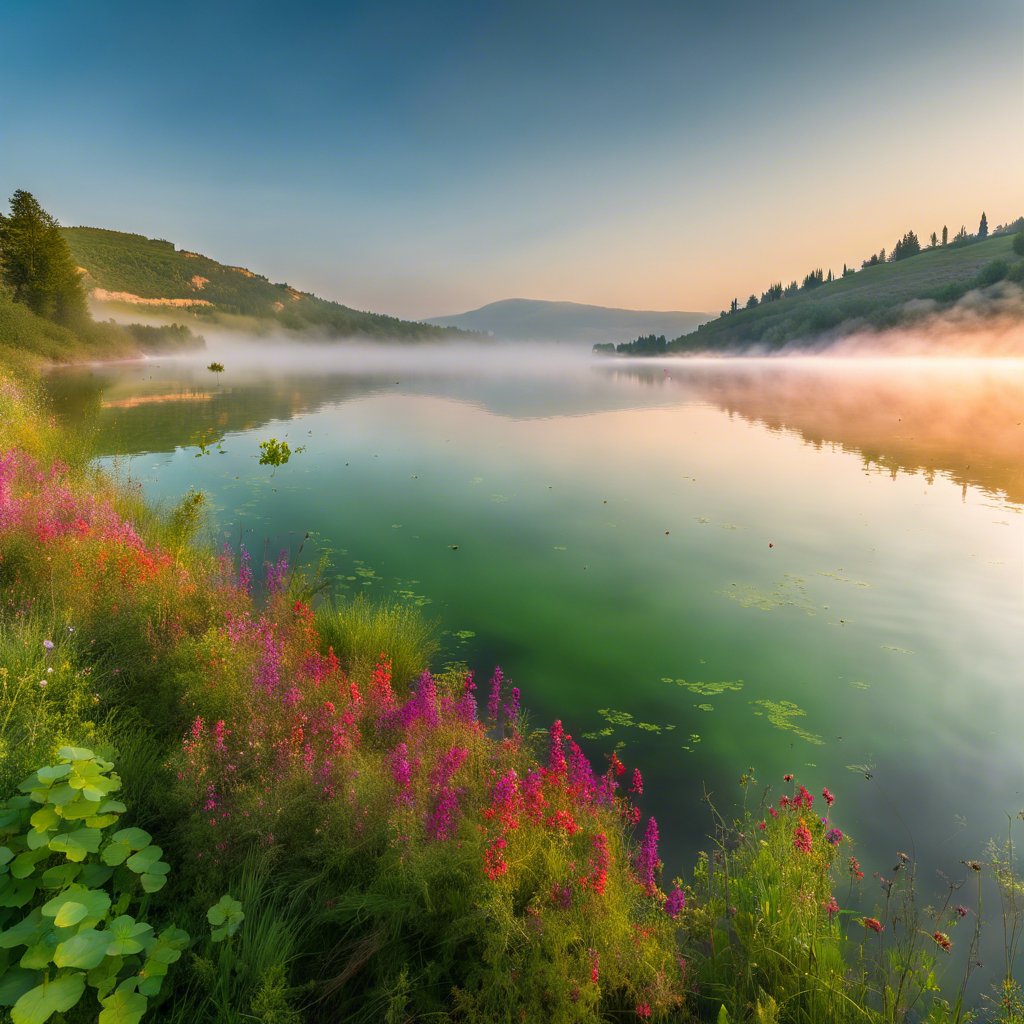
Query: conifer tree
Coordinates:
[945,235]
[36,264]
[983,227]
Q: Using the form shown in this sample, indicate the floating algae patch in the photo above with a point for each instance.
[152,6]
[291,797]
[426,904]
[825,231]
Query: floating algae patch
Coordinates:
[895,650]
[706,689]
[705,707]
[464,634]
[859,684]
[789,592]
[624,719]
[598,733]
[840,578]
[781,714]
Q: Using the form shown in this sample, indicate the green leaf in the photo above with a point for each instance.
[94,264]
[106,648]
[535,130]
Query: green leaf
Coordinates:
[26,932]
[75,905]
[104,977]
[60,875]
[101,820]
[95,876]
[39,955]
[55,996]
[25,863]
[115,853]
[129,936]
[112,807]
[44,819]
[152,883]
[6,855]
[169,946]
[53,772]
[85,950]
[83,807]
[16,981]
[136,838]
[75,754]
[123,1007]
[16,892]
[75,845]
[723,1015]
[141,862]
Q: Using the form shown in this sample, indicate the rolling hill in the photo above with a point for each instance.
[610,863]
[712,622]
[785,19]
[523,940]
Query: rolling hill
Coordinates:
[537,320]
[129,272]
[886,295]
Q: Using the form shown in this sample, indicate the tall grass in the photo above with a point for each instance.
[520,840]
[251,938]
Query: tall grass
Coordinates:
[360,630]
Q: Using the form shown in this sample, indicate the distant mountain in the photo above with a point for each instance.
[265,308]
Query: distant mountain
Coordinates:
[537,320]
[136,274]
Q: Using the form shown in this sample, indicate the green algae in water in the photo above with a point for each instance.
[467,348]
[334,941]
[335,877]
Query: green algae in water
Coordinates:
[789,592]
[599,733]
[707,689]
[895,649]
[705,707]
[781,714]
[624,719]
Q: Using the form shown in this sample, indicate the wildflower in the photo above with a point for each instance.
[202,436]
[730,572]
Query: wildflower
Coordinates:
[855,871]
[600,861]
[42,684]
[904,859]
[943,941]
[972,864]
[834,836]
[561,896]
[512,708]
[48,644]
[563,821]
[874,924]
[829,798]
[802,838]
[831,907]
[774,813]
[617,766]
[762,825]
[595,965]
[495,864]
[494,701]
[674,902]
[556,756]
[643,1010]
[961,910]
[787,778]
[646,861]
[638,783]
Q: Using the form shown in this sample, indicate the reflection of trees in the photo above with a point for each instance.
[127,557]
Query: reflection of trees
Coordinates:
[130,413]
[963,420]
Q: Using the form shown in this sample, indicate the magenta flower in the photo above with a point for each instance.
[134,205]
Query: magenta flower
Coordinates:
[646,861]
[834,836]
[674,903]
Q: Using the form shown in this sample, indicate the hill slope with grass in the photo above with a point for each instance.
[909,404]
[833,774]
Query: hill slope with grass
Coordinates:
[125,271]
[538,320]
[886,295]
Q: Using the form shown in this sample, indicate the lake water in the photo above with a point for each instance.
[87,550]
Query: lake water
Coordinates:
[797,566]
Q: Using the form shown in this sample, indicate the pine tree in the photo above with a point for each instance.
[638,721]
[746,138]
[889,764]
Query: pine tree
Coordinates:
[934,240]
[983,227]
[945,235]
[36,264]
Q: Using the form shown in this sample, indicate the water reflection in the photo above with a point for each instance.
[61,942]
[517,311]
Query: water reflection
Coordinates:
[962,419]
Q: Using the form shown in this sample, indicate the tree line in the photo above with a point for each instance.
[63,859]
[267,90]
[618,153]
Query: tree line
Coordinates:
[906,246]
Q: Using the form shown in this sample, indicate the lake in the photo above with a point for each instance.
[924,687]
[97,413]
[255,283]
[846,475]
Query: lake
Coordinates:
[811,566]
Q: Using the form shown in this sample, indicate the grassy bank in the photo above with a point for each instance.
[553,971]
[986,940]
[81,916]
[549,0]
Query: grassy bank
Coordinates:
[342,835]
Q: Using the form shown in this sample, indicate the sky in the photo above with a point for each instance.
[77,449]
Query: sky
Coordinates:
[423,159]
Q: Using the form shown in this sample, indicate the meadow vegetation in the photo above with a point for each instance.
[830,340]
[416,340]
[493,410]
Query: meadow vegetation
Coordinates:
[225,798]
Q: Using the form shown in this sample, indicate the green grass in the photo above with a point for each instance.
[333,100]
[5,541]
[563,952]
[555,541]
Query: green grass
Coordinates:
[153,268]
[360,630]
[886,295]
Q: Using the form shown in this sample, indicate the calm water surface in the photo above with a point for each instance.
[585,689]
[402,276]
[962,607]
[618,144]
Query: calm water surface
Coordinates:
[811,566]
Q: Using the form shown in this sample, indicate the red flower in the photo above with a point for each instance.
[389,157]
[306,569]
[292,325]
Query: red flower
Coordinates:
[874,924]
[943,941]
[787,778]
[802,837]
[829,798]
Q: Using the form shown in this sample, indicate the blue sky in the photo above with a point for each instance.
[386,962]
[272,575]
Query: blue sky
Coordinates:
[420,159]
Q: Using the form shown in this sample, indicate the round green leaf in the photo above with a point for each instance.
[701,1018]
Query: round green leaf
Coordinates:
[136,838]
[75,905]
[128,936]
[123,1007]
[141,861]
[85,950]
[6,856]
[75,845]
[25,932]
[115,853]
[55,996]
[53,772]
[152,883]
[75,754]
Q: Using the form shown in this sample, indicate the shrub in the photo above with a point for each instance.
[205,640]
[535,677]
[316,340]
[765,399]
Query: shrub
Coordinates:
[67,882]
